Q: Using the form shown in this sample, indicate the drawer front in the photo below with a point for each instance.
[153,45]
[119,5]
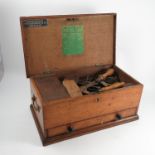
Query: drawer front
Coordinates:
[73,127]
[86,107]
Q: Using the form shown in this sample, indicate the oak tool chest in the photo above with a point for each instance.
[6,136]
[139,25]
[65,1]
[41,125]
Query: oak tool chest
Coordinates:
[75,83]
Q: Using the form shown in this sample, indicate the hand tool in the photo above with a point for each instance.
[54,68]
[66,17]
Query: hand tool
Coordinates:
[103,76]
[113,86]
[100,79]
[72,88]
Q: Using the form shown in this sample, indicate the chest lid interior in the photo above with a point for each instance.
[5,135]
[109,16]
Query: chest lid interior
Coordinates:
[67,42]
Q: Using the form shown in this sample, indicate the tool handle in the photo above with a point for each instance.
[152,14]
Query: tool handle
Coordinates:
[113,86]
[109,72]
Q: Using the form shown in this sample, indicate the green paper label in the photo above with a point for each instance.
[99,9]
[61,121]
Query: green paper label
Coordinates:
[72,39]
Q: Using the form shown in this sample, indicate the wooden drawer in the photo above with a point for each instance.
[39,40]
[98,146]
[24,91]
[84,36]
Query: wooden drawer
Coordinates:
[77,109]
[73,127]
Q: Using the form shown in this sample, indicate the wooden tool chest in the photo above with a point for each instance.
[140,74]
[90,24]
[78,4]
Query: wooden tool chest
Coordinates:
[59,51]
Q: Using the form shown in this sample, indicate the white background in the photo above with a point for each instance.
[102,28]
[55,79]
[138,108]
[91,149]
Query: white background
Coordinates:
[135,54]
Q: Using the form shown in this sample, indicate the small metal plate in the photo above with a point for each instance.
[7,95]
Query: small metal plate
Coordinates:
[35,23]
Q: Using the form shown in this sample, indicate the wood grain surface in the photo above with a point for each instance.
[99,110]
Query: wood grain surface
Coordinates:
[59,115]
[43,45]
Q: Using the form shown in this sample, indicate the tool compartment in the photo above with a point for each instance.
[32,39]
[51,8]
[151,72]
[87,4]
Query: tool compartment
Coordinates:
[60,108]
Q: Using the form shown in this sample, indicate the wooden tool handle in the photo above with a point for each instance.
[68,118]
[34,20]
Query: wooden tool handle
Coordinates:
[109,72]
[113,86]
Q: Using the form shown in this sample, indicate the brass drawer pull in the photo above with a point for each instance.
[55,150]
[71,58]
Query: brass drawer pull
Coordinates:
[35,105]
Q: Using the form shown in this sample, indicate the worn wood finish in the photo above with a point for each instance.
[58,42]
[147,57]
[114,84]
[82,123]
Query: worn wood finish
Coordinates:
[55,139]
[38,99]
[75,109]
[54,111]
[64,111]
[50,85]
[126,77]
[91,122]
[72,88]
[43,45]
[49,89]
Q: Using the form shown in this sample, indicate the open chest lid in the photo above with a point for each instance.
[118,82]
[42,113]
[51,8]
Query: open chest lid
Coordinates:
[67,42]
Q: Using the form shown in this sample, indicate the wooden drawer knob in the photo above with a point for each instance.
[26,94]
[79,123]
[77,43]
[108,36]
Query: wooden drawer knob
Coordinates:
[70,129]
[118,116]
